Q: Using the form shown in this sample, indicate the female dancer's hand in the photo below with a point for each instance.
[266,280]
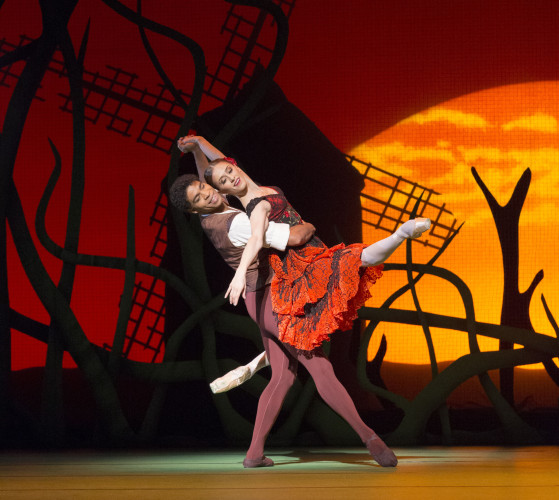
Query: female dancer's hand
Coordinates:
[237,287]
[188,143]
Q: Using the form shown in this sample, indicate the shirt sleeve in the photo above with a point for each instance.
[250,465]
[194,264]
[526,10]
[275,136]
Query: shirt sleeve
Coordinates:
[240,231]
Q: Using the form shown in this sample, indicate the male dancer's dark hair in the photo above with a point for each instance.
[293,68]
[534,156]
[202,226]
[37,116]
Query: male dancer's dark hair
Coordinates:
[177,193]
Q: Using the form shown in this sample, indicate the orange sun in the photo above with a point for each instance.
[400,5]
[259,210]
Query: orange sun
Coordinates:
[501,132]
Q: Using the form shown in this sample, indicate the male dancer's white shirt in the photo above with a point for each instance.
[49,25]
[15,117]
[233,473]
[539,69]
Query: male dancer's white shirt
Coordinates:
[240,231]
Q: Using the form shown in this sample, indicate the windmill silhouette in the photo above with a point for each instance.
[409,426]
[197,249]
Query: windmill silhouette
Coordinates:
[111,95]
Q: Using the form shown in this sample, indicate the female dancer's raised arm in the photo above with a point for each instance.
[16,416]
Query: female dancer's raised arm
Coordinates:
[202,151]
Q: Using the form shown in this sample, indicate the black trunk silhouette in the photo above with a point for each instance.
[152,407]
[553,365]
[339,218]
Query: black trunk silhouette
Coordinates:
[515,309]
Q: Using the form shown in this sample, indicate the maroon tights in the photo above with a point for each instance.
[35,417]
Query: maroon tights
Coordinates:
[283,361]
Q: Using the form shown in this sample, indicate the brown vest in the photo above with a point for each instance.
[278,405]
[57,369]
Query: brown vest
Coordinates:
[216,226]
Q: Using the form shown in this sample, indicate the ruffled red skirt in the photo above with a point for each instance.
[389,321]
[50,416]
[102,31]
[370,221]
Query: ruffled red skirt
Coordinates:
[316,291]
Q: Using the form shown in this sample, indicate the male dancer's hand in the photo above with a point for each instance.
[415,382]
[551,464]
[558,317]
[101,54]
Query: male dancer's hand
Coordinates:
[300,234]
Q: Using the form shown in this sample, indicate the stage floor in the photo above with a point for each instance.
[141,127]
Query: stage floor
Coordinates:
[309,474]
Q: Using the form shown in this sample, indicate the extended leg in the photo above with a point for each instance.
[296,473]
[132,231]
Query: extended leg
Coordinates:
[373,255]
[378,252]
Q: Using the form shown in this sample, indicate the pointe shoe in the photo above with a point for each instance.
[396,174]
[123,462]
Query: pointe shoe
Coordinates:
[414,228]
[231,379]
[422,224]
[381,453]
[251,463]
[239,375]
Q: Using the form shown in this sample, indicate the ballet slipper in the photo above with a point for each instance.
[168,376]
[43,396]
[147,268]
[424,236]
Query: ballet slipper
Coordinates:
[239,375]
[251,463]
[414,228]
[422,224]
[381,453]
[231,379]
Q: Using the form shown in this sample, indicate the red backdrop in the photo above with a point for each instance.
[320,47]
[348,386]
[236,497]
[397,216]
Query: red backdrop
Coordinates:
[355,68]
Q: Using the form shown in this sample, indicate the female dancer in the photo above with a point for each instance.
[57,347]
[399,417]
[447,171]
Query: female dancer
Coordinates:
[284,356]
[316,290]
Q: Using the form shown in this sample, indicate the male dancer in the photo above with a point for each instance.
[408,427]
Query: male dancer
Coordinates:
[229,230]
[284,358]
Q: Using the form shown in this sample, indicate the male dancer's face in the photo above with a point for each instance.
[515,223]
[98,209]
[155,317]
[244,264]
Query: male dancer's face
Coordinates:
[204,199]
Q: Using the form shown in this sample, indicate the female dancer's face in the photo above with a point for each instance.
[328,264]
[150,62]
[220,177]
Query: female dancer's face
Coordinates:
[229,178]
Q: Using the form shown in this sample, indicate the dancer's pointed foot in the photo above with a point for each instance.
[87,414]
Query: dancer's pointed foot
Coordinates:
[251,463]
[414,228]
[381,453]
[230,380]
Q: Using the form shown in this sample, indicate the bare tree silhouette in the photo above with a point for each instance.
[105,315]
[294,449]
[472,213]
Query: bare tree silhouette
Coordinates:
[37,55]
[515,309]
